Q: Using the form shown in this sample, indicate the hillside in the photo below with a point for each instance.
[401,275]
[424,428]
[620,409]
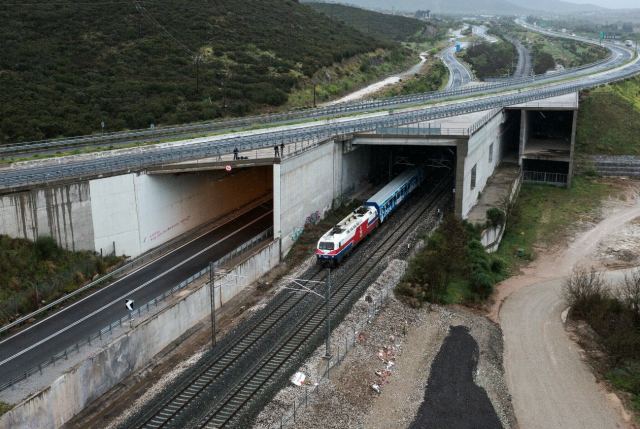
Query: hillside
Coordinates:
[65,67]
[392,27]
[609,120]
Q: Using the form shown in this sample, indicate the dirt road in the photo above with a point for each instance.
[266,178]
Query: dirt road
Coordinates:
[550,384]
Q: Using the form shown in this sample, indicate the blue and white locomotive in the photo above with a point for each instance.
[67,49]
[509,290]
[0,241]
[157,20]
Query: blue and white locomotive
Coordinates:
[345,236]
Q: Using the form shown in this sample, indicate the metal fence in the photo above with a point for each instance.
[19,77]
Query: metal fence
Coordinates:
[341,348]
[559,179]
[107,331]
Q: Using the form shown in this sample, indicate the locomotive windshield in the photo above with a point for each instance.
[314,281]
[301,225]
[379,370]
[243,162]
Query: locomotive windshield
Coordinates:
[325,245]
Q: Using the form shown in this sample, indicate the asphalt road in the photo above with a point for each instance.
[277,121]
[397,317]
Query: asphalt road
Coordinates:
[452,398]
[40,341]
[459,75]
[524,66]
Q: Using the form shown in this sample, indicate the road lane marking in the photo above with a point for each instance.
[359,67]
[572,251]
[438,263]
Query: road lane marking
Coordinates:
[55,334]
[125,277]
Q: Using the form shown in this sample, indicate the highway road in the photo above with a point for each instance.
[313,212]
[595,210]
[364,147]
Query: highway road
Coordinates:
[40,341]
[524,66]
[459,74]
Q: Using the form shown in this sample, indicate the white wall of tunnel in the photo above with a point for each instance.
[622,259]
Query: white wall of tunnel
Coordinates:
[130,214]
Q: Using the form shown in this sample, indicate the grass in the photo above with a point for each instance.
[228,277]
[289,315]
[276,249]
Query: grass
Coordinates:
[4,407]
[626,377]
[544,215]
[35,273]
[609,120]
[350,75]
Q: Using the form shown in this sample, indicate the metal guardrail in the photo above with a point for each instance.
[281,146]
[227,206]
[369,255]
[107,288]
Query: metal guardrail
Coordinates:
[138,312]
[337,109]
[139,159]
[426,131]
[545,177]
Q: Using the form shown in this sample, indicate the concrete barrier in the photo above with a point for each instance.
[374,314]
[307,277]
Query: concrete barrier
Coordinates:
[75,389]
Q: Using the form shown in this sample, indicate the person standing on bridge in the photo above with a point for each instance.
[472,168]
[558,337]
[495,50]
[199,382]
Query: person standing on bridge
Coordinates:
[281,150]
[277,152]
[235,154]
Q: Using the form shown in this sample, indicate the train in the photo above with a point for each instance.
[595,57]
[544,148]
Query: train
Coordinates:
[340,240]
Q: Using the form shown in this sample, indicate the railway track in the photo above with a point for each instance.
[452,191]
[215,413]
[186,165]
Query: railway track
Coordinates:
[243,385]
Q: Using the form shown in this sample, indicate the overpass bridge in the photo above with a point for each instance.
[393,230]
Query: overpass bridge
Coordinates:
[132,201]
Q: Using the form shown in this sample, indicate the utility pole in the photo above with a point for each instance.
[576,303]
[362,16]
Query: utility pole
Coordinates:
[314,94]
[212,297]
[198,73]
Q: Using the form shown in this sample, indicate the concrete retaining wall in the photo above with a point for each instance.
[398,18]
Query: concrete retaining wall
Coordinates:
[62,212]
[75,389]
[479,147]
[307,184]
[312,181]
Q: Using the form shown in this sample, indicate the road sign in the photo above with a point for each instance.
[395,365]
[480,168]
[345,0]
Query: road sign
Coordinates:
[129,304]
[228,168]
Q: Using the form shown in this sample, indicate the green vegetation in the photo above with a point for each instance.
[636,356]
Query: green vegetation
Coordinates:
[4,407]
[380,25]
[543,215]
[350,75]
[614,314]
[432,77]
[491,59]
[609,120]
[34,273]
[452,268]
[548,51]
[65,67]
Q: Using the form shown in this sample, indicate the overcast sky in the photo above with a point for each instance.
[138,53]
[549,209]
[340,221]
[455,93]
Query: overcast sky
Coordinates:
[611,3]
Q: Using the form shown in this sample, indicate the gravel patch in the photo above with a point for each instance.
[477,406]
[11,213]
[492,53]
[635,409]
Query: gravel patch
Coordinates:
[411,339]
[622,248]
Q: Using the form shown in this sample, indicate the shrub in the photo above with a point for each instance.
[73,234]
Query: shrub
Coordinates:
[584,291]
[495,216]
[46,248]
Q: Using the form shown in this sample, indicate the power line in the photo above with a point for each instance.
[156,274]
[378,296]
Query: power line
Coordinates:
[147,15]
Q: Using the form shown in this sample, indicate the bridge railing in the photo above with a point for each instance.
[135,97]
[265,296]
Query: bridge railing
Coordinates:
[101,335]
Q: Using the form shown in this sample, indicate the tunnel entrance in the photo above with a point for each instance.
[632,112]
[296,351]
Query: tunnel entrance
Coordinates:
[163,206]
[389,161]
[511,136]
[546,156]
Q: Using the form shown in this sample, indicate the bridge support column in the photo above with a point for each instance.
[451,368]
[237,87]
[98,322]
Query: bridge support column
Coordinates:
[574,129]
[462,150]
[277,207]
[524,134]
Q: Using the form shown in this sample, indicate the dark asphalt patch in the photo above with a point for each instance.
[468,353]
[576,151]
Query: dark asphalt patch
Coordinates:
[452,399]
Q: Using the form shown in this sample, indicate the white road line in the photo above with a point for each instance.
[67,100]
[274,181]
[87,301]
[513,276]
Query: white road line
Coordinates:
[20,353]
[123,278]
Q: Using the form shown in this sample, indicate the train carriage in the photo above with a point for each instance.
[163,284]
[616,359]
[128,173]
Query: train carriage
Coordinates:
[389,198]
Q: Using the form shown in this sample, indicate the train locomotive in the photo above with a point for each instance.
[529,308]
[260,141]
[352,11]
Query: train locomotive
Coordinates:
[340,240]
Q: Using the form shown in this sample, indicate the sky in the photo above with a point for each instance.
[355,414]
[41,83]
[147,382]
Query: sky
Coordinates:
[611,4]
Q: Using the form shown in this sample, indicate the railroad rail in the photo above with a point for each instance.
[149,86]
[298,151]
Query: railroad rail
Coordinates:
[291,327]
